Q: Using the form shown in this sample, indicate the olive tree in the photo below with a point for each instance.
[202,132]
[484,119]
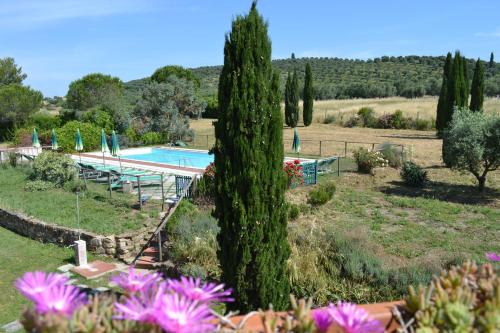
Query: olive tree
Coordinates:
[472,144]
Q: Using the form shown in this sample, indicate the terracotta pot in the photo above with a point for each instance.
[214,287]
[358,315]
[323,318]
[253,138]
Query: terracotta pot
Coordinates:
[379,311]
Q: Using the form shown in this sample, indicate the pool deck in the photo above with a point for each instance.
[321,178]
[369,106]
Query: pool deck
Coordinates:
[96,157]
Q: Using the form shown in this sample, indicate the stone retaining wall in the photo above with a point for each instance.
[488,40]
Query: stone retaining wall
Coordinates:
[121,246]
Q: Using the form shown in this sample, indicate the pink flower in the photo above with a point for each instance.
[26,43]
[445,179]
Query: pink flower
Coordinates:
[178,314]
[59,299]
[143,305]
[492,256]
[322,319]
[32,284]
[134,282]
[195,290]
[353,319]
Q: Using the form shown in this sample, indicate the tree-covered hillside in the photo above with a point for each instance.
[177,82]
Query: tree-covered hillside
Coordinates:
[409,76]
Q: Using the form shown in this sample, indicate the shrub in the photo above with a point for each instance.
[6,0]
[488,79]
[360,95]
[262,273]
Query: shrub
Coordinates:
[293,211]
[205,189]
[12,156]
[391,154]
[75,185]
[463,299]
[386,121]
[368,160]
[330,119]
[354,121]
[423,124]
[398,121]
[38,186]
[131,135]
[294,173]
[100,117]
[53,167]
[151,138]
[322,194]
[91,136]
[45,122]
[413,175]
[367,116]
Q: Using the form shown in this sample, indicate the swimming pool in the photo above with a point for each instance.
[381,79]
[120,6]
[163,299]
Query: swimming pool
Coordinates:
[175,157]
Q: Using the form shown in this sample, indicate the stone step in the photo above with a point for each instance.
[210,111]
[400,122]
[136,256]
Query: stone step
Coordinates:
[150,251]
[146,263]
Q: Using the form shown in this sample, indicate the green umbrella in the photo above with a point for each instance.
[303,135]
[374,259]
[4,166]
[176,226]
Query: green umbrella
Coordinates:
[34,139]
[55,146]
[115,147]
[78,143]
[296,141]
[104,145]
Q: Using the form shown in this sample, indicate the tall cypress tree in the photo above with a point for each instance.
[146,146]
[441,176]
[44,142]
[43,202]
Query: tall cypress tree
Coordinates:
[308,97]
[442,107]
[492,60]
[250,182]
[294,99]
[288,101]
[465,88]
[477,88]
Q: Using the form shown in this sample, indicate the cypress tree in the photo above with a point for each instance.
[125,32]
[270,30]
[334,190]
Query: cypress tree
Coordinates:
[288,101]
[477,88]
[250,182]
[308,97]
[465,88]
[442,107]
[294,99]
[492,60]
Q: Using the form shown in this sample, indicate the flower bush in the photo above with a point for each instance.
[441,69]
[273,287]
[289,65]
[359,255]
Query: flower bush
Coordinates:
[367,160]
[205,191]
[152,304]
[294,173]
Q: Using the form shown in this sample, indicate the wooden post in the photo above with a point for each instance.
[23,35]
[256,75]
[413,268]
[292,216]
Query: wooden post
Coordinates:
[160,256]
[139,191]
[320,150]
[338,166]
[345,149]
[162,195]
[109,183]
[373,146]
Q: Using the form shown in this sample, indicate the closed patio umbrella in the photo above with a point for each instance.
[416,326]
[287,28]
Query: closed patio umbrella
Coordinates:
[34,139]
[78,143]
[104,146]
[115,148]
[55,145]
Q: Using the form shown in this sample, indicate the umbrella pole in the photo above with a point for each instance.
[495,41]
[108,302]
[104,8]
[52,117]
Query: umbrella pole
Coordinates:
[103,160]
[120,161]
[80,154]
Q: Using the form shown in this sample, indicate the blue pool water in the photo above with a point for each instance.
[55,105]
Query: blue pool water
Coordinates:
[181,158]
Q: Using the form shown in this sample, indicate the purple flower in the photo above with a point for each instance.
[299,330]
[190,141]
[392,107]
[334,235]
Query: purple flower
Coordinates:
[32,284]
[134,282]
[143,305]
[492,256]
[195,290]
[354,319]
[178,314]
[322,319]
[59,299]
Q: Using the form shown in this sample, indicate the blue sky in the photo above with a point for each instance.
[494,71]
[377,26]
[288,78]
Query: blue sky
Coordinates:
[57,42]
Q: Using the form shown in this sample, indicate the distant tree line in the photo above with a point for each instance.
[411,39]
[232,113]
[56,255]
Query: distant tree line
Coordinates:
[336,78]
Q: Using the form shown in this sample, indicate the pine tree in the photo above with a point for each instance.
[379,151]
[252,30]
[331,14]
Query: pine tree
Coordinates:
[250,182]
[442,107]
[288,101]
[294,99]
[477,88]
[308,97]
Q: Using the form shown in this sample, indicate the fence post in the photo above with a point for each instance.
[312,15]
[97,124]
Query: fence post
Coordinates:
[139,191]
[109,183]
[162,194]
[320,148]
[402,154]
[345,148]
[338,166]
[373,146]
[160,256]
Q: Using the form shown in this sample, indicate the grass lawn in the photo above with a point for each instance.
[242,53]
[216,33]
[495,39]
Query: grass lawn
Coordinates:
[406,228]
[99,213]
[17,256]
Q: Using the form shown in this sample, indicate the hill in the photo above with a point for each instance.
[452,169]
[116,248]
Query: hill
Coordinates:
[335,78]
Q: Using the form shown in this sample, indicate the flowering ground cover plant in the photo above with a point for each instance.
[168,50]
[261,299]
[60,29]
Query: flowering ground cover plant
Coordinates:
[294,173]
[367,160]
[152,304]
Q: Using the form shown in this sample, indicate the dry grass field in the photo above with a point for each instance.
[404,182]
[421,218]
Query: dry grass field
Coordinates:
[424,107]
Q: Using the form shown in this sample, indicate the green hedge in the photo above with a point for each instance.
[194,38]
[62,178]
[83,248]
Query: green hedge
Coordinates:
[91,136]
